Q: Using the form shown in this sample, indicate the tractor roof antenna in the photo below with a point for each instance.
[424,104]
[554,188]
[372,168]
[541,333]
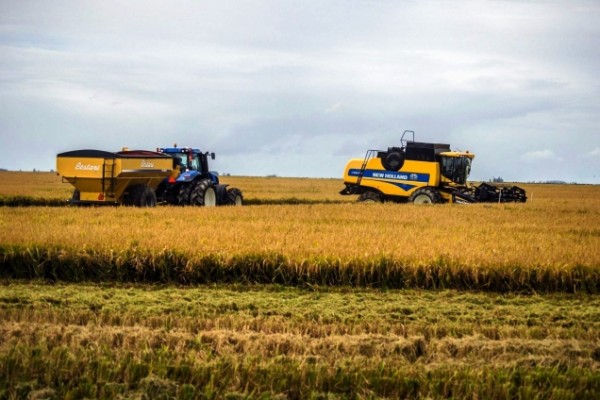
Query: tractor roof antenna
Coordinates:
[402,141]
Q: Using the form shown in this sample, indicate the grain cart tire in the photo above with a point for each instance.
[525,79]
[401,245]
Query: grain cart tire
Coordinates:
[370,197]
[203,194]
[393,160]
[425,195]
[141,196]
[234,197]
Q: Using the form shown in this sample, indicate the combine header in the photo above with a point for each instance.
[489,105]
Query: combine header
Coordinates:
[421,173]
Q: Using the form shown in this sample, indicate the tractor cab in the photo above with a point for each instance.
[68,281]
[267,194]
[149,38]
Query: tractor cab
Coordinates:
[191,162]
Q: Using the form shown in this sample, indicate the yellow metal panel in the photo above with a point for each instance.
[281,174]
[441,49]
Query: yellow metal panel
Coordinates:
[81,167]
[412,175]
[107,179]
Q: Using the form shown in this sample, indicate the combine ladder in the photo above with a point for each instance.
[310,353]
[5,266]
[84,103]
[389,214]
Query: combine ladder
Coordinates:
[370,154]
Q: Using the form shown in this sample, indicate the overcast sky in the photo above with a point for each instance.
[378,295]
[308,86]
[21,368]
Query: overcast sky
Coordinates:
[296,88]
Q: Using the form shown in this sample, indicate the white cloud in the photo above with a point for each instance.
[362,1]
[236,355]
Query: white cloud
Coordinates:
[540,155]
[594,153]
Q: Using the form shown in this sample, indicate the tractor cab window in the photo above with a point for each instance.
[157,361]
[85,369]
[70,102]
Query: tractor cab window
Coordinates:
[196,163]
[181,160]
[456,169]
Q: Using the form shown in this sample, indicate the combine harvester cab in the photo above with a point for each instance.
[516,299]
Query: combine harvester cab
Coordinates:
[126,177]
[421,173]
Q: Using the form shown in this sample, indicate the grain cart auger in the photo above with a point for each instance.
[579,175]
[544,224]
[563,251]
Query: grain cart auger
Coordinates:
[194,183]
[125,177]
[421,173]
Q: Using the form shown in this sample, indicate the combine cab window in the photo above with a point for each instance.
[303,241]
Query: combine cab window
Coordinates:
[456,169]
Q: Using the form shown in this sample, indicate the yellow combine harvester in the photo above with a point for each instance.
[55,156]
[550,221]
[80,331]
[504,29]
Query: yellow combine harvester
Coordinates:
[420,173]
[125,177]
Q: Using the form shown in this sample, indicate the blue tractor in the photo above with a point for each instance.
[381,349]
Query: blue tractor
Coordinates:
[195,184]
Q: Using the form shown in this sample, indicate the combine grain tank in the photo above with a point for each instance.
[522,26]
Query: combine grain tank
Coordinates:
[125,177]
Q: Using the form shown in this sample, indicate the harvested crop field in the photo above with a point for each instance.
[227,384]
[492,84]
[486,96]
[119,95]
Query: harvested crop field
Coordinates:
[301,294]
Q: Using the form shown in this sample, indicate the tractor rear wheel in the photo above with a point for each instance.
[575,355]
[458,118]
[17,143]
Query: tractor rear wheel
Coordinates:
[203,194]
[141,196]
[426,195]
[234,197]
[370,197]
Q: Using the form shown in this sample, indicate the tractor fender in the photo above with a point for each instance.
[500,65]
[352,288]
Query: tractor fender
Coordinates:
[214,178]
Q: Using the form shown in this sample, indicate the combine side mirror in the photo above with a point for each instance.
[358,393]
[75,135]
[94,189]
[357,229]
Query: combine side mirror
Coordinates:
[212,156]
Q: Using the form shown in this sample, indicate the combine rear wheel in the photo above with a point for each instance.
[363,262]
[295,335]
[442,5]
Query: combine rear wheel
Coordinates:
[234,197]
[426,195]
[141,196]
[370,197]
[203,194]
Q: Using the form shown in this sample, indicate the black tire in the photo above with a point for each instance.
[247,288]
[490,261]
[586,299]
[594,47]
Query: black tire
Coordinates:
[203,193]
[183,195]
[141,196]
[393,160]
[234,197]
[426,195]
[370,197]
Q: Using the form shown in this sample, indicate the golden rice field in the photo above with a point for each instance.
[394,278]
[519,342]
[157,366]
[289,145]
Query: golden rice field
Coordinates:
[550,243]
[301,294]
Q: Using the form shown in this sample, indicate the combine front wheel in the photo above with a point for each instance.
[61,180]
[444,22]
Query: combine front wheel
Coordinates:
[370,197]
[426,195]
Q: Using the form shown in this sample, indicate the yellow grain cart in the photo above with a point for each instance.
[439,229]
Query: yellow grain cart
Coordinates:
[125,177]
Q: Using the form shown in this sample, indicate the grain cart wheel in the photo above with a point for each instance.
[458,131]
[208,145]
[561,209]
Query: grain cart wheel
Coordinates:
[370,197]
[234,197]
[425,195]
[393,160]
[203,194]
[141,196]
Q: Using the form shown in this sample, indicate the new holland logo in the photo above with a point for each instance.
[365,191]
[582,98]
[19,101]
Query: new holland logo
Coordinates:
[147,164]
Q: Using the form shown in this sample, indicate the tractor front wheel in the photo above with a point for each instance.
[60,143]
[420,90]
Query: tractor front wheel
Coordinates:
[203,194]
[426,195]
[183,195]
